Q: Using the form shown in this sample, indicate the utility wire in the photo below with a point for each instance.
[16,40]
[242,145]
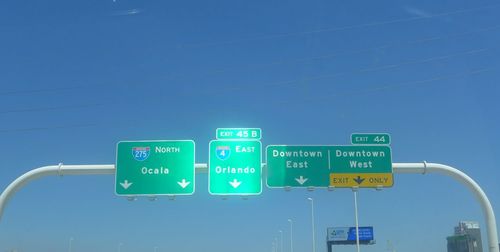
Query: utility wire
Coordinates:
[42,109]
[335,55]
[289,83]
[368,91]
[343,28]
[71,126]
[274,63]
[40,90]
[325,98]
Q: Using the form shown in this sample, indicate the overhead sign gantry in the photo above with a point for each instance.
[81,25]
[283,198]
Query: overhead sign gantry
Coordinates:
[132,167]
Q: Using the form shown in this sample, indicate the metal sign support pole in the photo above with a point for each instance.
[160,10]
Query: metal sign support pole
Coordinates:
[355,191]
[489,215]
[413,168]
[291,234]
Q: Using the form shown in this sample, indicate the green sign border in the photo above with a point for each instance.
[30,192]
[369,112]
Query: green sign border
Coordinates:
[332,158]
[238,138]
[330,161]
[260,167]
[294,186]
[163,194]
[371,134]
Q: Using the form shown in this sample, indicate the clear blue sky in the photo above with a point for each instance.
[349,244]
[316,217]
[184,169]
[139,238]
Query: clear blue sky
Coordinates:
[76,77]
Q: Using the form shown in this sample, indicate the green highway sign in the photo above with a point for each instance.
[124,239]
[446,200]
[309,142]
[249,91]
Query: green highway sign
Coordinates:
[323,166]
[297,166]
[234,167]
[155,168]
[365,159]
[370,138]
[361,166]
[239,133]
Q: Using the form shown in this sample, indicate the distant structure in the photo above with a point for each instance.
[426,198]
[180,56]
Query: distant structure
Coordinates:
[467,238]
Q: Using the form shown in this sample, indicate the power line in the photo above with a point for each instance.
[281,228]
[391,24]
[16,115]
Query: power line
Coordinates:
[360,70]
[50,108]
[368,91]
[71,126]
[343,28]
[343,53]
[41,90]
[326,97]
[286,83]
[281,62]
